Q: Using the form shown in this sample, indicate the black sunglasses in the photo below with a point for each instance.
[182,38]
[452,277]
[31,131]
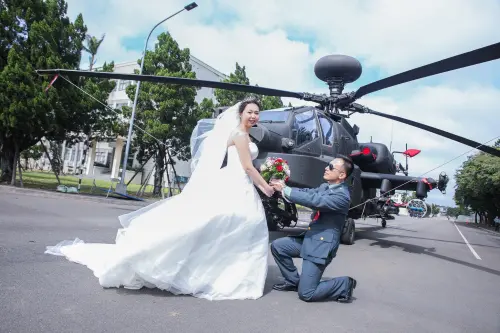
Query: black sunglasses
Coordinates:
[331,167]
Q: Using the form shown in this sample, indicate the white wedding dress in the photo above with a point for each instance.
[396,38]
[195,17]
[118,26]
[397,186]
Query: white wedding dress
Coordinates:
[210,241]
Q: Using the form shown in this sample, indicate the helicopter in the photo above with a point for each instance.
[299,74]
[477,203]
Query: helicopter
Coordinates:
[309,137]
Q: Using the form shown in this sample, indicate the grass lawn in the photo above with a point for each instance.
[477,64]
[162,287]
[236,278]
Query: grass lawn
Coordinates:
[48,181]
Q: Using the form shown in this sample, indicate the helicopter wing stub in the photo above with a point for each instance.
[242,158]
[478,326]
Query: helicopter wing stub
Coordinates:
[403,183]
[465,141]
[484,54]
[176,80]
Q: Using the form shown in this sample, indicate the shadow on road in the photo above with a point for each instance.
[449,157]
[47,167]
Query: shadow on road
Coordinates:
[370,233]
[423,238]
[379,240]
[380,227]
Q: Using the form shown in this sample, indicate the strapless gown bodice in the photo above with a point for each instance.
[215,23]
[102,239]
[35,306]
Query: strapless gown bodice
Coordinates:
[234,157]
[234,162]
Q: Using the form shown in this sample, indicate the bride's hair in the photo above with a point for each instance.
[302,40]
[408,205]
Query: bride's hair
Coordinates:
[249,100]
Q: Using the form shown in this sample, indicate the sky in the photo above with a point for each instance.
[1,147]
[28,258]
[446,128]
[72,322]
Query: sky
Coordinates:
[279,41]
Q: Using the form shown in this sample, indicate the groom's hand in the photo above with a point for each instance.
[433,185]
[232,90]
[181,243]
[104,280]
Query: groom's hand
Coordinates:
[277,185]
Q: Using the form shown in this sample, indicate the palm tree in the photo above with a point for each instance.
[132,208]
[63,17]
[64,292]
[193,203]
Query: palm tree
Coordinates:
[92,47]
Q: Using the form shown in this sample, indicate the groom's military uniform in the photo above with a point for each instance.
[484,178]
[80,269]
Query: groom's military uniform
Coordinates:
[317,246]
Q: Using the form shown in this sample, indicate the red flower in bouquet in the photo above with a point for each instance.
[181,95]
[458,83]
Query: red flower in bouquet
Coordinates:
[275,168]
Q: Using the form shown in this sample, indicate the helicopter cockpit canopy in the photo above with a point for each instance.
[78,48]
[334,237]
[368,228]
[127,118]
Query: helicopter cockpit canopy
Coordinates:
[305,127]
[303,124]
[275,115]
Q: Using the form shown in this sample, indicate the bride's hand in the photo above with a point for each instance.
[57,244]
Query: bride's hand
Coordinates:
[268,190]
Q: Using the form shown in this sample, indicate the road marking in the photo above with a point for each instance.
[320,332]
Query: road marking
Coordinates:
[466,242]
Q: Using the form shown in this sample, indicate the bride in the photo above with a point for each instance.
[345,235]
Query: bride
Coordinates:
[210,241]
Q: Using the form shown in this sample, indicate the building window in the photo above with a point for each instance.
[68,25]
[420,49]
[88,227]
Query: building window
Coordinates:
[123,84]
[119,106]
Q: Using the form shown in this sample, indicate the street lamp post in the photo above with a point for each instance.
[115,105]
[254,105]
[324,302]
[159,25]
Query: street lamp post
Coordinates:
[122,187]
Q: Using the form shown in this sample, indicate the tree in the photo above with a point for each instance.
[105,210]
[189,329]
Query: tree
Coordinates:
[435,209]
[40,35]
[103,123]
[271,102]
[406,197]
[92,47]
[477,184]
[456,211]
[168,112]
[35,152]
[452,212]
[230,97]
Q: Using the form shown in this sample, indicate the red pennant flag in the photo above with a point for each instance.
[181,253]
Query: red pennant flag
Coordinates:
[52,82]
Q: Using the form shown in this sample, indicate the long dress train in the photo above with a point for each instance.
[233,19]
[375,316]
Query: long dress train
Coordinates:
[212,245]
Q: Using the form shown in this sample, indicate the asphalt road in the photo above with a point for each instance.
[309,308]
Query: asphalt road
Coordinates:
[413,276]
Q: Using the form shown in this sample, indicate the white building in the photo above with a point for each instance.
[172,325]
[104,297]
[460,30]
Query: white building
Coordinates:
[106,158]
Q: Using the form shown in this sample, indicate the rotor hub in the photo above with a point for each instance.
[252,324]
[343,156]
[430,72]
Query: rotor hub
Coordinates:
[337,70]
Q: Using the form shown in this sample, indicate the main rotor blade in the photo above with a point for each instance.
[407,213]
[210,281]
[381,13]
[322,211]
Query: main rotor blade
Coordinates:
[465,141]
[484,54]
[176,80]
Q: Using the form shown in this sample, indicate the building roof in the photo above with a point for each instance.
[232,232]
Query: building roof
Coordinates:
[210,68]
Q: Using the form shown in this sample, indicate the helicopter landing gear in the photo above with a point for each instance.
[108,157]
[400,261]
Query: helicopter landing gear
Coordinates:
[384,223]
[272,225]
[348,232]
[279,213]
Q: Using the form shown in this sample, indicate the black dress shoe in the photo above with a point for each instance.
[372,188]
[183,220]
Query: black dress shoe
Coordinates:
[352,286]
[284,287]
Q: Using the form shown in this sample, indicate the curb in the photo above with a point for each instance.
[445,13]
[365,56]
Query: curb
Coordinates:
[490,231]
[74,196]
[479,227]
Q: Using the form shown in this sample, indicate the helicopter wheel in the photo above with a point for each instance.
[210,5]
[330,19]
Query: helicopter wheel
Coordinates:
[279,214]
[384,223]
[348,232]
[272,224]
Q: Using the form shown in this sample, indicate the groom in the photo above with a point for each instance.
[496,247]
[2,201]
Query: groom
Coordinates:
[319,244]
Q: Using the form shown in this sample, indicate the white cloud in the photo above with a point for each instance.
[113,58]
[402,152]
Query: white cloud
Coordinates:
[385,35]
[271,59]
[393,35]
